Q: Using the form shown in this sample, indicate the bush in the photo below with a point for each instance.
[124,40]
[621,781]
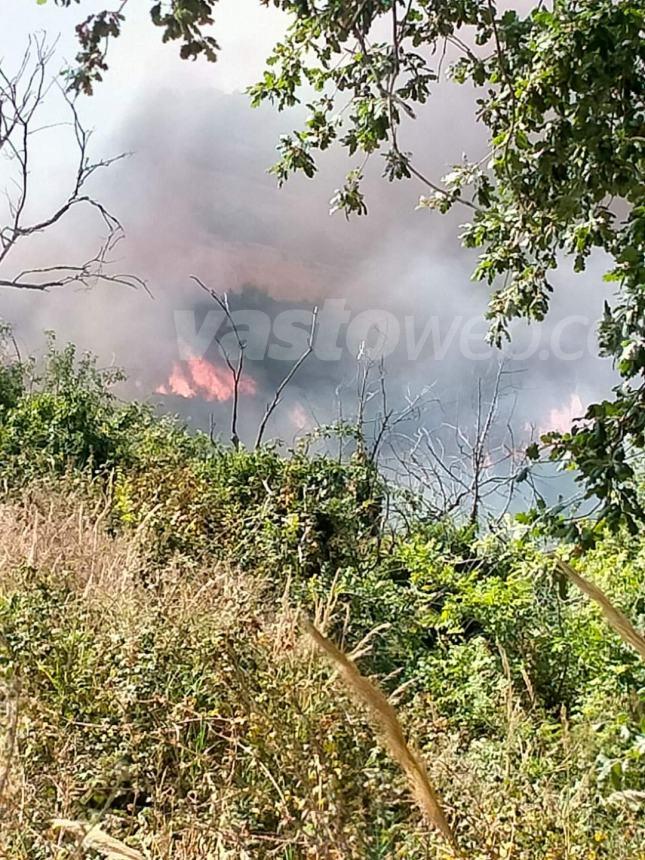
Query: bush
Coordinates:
[148,598]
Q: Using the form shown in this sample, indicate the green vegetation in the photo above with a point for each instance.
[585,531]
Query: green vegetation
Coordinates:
[152,583]
[559,92]
[157,680]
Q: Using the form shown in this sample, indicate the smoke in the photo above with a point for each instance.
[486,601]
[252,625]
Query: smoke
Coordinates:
[195,199]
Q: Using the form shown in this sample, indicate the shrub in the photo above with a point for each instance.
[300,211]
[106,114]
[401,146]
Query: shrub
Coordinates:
[148,595]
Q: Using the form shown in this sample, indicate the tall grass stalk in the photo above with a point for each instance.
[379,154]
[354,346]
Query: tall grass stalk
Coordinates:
[385,718]
[615,618]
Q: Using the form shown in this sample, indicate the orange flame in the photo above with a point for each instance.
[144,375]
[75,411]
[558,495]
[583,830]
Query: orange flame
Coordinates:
[299,417]
[562,418]
[197,377]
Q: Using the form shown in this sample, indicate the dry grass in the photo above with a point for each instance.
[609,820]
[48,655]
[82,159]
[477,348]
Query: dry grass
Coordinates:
[388,725]
[92,837]
[64,541]
[65,533]
[191,720]
[616,619]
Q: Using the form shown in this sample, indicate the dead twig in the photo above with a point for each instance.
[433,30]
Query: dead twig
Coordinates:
[271,407]
[235,369]
[23,96]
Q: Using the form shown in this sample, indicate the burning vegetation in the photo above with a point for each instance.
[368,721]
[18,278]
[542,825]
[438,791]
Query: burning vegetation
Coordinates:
[197,377]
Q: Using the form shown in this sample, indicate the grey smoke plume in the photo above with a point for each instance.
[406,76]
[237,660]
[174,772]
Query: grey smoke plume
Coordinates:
[195,199]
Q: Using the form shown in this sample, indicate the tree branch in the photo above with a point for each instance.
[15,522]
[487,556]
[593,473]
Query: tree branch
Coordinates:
[287,379]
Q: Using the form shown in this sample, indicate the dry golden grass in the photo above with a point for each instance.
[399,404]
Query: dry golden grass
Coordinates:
[92,837]
[288,768]
[387,723]
[616,619]
[65,534]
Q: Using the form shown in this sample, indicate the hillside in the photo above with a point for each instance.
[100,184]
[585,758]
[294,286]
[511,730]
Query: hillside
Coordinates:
[159,682]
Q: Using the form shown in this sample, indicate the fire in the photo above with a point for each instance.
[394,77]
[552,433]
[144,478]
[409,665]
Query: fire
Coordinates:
[197,377]
[562,418]
[299,417]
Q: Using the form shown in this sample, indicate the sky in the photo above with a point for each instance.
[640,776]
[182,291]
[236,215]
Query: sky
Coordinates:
[195,199]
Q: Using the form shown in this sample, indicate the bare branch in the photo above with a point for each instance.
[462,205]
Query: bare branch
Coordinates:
[23,95]
[85,274]
[475,473]
[287,379]
[236,369]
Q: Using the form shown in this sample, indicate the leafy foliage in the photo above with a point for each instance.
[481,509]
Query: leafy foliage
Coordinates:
[179,20]
[563,106]
[62,414]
